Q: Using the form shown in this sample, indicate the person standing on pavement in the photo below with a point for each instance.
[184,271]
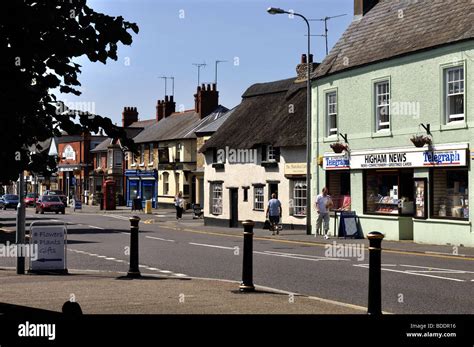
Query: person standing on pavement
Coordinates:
[323,205]
[179,204]
[274,213]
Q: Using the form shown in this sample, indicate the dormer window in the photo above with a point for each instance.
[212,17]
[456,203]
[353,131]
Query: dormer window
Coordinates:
[270,154]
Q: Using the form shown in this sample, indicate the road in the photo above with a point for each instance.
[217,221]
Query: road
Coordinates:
[411,283]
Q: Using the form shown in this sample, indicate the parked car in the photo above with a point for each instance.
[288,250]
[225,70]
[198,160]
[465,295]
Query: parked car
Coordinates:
[50,203]
[9,201]
[31,199]
[59,193]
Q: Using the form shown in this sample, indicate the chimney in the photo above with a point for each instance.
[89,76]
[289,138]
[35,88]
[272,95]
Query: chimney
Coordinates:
[361,7]
[301,68]
[159,110]
[129,116]
[165,108]
[206,99]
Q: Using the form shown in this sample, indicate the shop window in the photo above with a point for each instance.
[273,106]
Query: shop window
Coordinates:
[389,192]
[454,94]
[299,198]
[450,194]
[258,198]
[216,198]
[382,105]
[148,188]
[133,187]
[339,186]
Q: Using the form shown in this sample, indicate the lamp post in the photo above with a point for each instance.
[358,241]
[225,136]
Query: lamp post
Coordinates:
[273,11]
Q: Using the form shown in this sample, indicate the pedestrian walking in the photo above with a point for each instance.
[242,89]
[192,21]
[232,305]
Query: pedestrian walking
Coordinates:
[274,213]
[179,204]
[323,206]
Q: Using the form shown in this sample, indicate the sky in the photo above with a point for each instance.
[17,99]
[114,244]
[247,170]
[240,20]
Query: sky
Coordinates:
[175,34]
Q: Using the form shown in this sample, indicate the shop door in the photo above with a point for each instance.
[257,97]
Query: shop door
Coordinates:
[201,192]
[272,188]
[234,211]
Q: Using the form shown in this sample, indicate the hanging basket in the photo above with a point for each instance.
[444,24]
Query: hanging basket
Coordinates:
[339,147]
[420,140]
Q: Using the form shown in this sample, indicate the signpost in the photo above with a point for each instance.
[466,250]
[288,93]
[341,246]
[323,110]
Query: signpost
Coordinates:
[51,242]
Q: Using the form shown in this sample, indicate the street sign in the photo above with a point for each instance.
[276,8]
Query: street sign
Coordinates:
[51,242]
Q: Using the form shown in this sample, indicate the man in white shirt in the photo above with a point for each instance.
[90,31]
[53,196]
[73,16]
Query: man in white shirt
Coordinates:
[323,205]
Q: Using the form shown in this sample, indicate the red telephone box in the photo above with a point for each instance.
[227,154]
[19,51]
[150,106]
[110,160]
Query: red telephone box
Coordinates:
[109,194]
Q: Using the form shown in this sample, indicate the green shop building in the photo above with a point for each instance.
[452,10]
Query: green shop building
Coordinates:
[393,118]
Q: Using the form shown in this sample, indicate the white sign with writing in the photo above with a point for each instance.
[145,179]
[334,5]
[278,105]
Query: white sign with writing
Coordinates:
[69,153]
[51,243]
[409,159]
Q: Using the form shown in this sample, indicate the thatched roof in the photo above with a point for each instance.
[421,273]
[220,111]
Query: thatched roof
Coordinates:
[270,113]
[381,34]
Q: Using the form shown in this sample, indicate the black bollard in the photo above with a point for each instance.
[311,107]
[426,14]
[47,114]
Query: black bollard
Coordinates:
[134,271]
[375,278]
[247,270]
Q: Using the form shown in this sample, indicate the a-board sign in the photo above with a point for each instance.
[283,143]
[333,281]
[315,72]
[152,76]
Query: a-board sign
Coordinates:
[77,205]
[348,224]
[51,243]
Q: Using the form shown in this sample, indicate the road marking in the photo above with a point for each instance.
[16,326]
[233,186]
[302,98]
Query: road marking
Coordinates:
[447,253]
[314,244]
[297,257]
[366,266]
[212,246]
[171,273]
[307,256]
[116,217]
[158,238]
[437,268]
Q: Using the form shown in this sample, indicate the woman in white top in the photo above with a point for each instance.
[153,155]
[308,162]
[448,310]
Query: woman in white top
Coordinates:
[179,204]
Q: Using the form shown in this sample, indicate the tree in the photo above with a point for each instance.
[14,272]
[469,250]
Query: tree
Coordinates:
[38,41]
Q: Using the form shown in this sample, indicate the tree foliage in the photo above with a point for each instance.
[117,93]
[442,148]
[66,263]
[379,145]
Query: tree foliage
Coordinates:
[39,40]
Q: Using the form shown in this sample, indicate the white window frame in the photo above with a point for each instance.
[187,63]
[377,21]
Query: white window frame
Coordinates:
[98,159]
[118,159]
[460,82]
[142,154]
[271,157]
[216,198]
[381,105]
[179,148]
[151,153]
[299,198]
[166,183]
[258,198]
[331,113]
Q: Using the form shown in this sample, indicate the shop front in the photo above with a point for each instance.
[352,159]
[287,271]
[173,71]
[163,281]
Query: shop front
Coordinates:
[410,193]
[143,185]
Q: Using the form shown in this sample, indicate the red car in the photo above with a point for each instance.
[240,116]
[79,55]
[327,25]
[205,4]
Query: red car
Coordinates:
[31,199]
[50,203]
[59,193]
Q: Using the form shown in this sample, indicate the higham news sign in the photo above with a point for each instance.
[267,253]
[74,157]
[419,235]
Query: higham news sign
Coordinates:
[397,159]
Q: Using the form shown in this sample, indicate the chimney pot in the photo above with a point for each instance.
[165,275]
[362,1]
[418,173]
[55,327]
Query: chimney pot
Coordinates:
[303,58]
[203,86]
[166,98]
[310,58]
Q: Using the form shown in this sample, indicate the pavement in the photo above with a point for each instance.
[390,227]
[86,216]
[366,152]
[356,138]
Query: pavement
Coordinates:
[114,293]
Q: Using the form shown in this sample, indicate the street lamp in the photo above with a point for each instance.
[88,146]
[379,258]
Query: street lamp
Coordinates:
[273,11]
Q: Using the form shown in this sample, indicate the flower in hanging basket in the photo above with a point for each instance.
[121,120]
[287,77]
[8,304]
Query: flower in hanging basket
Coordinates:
[338,147]
[420,140]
